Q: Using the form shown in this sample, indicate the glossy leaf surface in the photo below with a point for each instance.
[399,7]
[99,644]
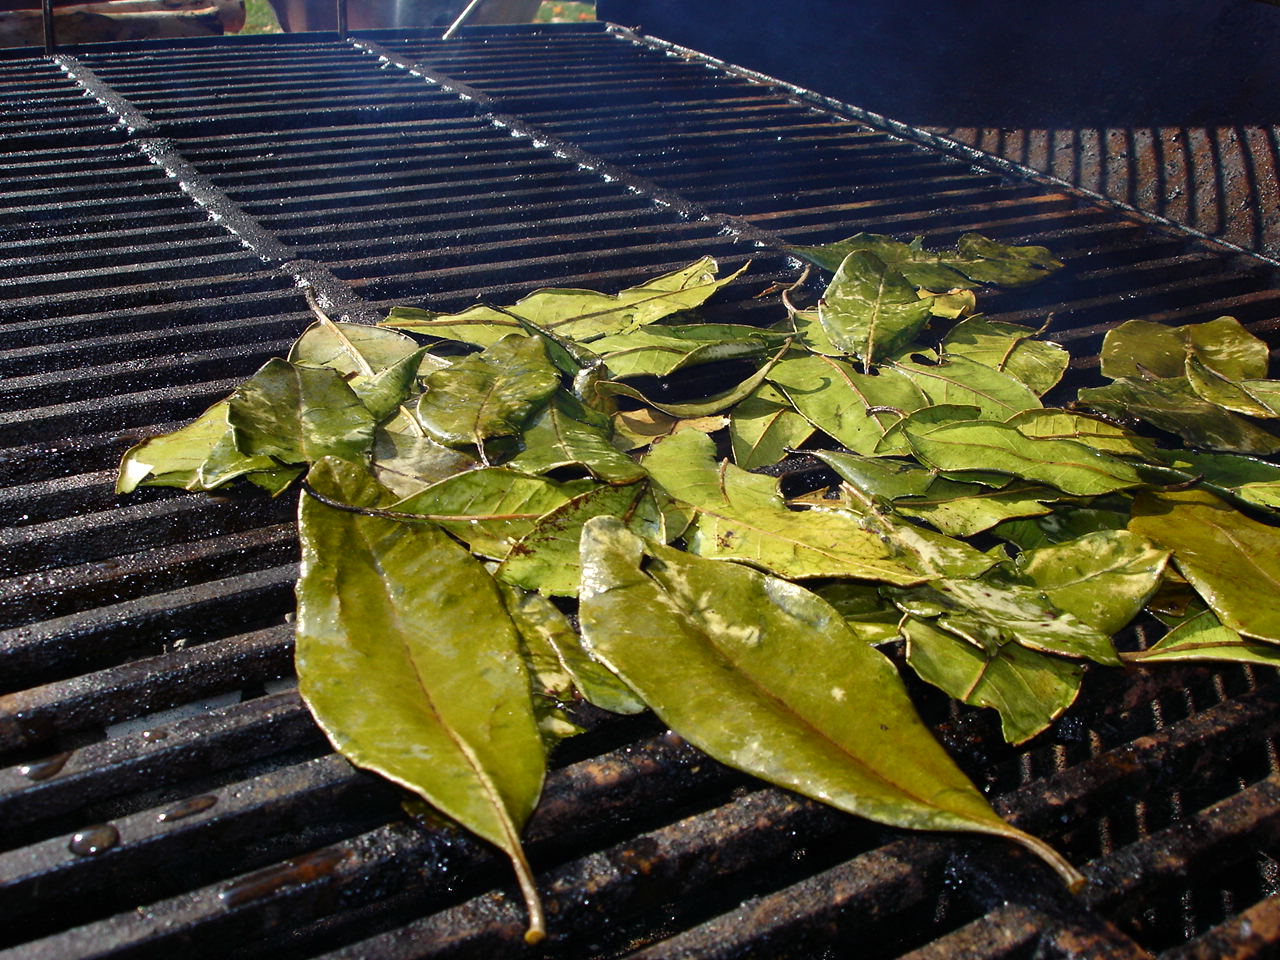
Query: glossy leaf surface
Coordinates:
[766,677]
[740,516]
[869,309]
[567,434]
[411,666]
[576,314]
[1203,637]
[1009,348]
[962,380]
[764,426]
[1027,688]
[1104,578]
[489,394]
[1231,560]
[1070,466]
[300,415]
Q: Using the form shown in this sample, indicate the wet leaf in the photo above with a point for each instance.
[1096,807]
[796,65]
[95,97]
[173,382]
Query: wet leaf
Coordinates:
[962,510]
[922,268]
[962,380]
[493,507]
[489,394]
[1054,424]
[640,427]
[995,609]
[1103,578]
[353,349]
[811,335]
[405,463]
[879,477]
[1254,398]
[558,652]
[1142,349]
[988,261]
[765,676]
[1028,689]
[740,516]
[869,309]
[411,666]
[1065,464]
[1009,348]
[567,434]
[764,426]
[659,351]
[856,409]
[546,559]
[300,415]
[1174,406]
[717,403]
[894,441]
[868,615]
[1231,560]
[1203,637]
[1061,525]
[574,314]
[199,456]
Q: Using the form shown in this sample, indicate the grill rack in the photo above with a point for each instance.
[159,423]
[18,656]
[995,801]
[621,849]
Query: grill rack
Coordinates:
[162,203]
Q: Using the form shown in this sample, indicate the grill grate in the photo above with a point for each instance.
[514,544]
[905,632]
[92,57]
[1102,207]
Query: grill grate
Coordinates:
[162,202]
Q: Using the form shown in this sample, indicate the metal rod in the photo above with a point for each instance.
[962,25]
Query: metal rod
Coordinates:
[46,16]
[342,19]
[453,27]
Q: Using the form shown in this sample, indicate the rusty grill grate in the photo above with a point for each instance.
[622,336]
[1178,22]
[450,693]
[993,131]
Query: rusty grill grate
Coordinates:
[161,204]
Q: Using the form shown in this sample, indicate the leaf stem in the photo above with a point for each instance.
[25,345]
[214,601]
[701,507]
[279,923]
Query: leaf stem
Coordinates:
[537,930]
[1072,877]
[356,355]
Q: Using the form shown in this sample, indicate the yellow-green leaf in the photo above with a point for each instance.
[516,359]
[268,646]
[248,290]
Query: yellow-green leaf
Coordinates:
[765,676]
[411,666]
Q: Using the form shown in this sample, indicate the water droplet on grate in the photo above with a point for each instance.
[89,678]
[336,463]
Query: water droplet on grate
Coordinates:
[153,735]
[44,769]
[299,870]
[187,808]
[91,840]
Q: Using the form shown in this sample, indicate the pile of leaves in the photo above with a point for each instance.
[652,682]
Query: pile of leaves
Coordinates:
[466,504]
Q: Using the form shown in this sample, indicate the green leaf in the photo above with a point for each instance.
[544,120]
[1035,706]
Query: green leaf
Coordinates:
[988,261]
[1173,406]
[763,426]
[870,310]
[1254,398]
[489,394]
[1203,637]
[1104,578]
[560,657]
[920,267]
[895,439]
[300,415]
[740,516]
[993,609]
[866,613]
[564,434]
[1231,560]
[353,349]
[1065,464]
[1063,524]
[1010,349]
[717,403]
[1054,424]
[659,351]
[765,676]
[814,338]
[962,510]
[878,477]
[573,314]
[976,260]
[1028,689]
[199,456]
[1143,349]
[411,666]
[405,463]
[962,380]
[856,409]
[491,508]
[546,558]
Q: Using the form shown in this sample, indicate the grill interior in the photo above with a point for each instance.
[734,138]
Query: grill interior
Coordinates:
[161,204]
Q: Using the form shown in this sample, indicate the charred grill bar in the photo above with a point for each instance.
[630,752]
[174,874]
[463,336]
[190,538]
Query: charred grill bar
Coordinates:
[163,787]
